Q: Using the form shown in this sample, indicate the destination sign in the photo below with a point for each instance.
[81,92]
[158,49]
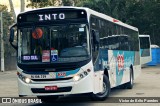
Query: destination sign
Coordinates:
[51,15]
[55,16]
[30,58]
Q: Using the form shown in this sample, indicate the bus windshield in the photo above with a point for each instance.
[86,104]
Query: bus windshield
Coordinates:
[63,43]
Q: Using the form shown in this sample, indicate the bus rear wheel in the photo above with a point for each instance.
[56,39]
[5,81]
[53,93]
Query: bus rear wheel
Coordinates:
[106,90]
[129,85]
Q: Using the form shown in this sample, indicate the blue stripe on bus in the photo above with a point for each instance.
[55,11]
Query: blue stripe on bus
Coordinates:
[71,72]
[67,73]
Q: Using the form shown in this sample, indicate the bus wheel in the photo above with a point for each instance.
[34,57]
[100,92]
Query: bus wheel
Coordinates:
[129,85]
[48,99]
[106,90]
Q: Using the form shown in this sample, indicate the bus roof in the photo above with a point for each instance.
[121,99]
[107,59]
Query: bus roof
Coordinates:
[90,12]
[106,17]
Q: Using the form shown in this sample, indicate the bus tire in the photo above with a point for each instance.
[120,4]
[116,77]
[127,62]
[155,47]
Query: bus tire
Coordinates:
[129,85]
[106,90]
[48,99]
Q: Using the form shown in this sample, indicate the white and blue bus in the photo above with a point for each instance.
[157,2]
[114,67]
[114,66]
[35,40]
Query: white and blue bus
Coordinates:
[145,49]
[73,50]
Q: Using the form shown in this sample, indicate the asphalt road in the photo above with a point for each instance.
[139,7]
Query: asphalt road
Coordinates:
[146,85]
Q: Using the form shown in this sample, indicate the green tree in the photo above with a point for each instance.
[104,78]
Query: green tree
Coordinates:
[41,3]
[71,2]
[45,3]
[152,10]
[7,21]
[114,8]
[144,14]
[67,2]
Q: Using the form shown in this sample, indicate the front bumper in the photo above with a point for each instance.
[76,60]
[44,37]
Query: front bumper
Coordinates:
[84,85]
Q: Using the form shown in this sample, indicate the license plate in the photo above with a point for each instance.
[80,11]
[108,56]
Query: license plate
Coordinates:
[51,88]
[38,76]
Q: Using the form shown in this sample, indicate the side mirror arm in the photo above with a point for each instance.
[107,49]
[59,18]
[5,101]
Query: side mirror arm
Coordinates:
[15,47]
[11,39]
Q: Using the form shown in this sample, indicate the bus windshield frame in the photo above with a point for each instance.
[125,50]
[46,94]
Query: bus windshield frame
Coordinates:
[55,43]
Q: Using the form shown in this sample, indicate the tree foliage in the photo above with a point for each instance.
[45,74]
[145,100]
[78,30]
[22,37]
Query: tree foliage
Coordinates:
[45,3]
[7,21]
[144,14]
[41,3]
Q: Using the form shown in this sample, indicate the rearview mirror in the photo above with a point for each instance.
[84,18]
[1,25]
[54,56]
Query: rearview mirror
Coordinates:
[11,38]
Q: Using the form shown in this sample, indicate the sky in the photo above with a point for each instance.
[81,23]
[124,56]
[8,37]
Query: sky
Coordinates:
[16,4]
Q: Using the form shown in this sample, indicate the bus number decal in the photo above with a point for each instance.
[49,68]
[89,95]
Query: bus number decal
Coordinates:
[61,74]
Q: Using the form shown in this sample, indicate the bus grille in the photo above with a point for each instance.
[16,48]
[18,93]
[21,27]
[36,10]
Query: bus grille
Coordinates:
[58,79]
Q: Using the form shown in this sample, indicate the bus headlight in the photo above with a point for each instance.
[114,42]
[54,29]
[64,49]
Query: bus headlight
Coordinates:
[23,78]
[27,80]
[81,75]
[76,77]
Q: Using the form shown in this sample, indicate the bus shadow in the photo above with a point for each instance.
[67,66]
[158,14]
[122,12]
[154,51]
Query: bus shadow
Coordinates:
[83,100]
[69,100]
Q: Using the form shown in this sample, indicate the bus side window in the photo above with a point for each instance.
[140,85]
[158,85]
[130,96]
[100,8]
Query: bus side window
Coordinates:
[95,36]
[95,44]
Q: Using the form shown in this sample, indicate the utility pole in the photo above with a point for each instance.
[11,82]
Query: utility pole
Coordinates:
[2,45]
[22,5]
[12,10]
